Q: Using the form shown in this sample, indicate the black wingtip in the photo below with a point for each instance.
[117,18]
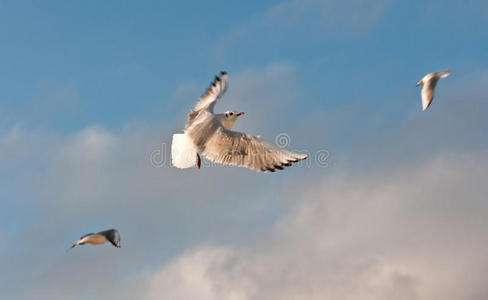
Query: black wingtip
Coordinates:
[222,73]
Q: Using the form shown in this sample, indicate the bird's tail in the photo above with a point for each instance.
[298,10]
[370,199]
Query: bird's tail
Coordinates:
[183,151]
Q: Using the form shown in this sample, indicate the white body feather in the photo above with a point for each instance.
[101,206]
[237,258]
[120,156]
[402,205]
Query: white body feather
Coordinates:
[183,151]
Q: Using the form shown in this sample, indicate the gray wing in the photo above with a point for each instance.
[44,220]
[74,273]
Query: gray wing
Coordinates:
[213,93]
[240,149]
[112,236]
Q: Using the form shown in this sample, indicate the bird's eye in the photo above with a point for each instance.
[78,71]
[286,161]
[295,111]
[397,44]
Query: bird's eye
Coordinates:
[231,113]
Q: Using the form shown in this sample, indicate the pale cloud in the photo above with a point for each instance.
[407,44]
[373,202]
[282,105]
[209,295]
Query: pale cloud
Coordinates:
[196,276]
[268,96]
[95,165]
[434,15]
[49,103]
[392,230]
[78,167]
[60,101]
[410,228]
[352,14]
[300,18]
[411,234]
[96,178]
[18,144]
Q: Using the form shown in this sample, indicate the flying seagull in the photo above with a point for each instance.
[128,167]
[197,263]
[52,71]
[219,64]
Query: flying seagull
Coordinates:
[210,134]
[429,82]
[111,235]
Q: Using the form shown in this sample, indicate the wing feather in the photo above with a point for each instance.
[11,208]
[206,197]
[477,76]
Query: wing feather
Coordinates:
[88,234]
[428,90]
[214,92]
[244,150]
[112,236]
[427,94]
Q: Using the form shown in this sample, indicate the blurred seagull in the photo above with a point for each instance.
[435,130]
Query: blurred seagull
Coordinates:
[429,82]
[111,235]
[210,135]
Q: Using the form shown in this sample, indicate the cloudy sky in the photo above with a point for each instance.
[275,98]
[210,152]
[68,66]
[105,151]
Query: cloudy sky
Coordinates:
[391,203]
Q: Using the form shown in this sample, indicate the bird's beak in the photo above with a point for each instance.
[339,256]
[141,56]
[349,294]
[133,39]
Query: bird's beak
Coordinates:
[420,83]
[240,114]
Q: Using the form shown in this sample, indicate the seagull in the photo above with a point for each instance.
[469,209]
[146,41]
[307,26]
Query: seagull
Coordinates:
[429,82]
[211,135]
[111,235]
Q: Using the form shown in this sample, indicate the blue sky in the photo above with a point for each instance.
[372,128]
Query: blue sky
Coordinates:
[89,90]
[122,62]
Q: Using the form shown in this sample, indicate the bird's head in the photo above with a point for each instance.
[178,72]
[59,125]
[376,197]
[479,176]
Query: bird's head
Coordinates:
[421,82]
[229,118]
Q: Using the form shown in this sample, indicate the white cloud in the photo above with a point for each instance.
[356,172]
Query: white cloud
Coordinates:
[412,234]
[95,179]
[193,277]
[388,232]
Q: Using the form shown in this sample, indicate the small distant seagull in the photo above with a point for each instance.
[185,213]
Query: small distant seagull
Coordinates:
[111,235]
[210,135]
[430,81]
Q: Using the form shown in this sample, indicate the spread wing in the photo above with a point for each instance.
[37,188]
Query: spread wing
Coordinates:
[213,93]
[112,236]
[428,89]
[428,93]
[244,150]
